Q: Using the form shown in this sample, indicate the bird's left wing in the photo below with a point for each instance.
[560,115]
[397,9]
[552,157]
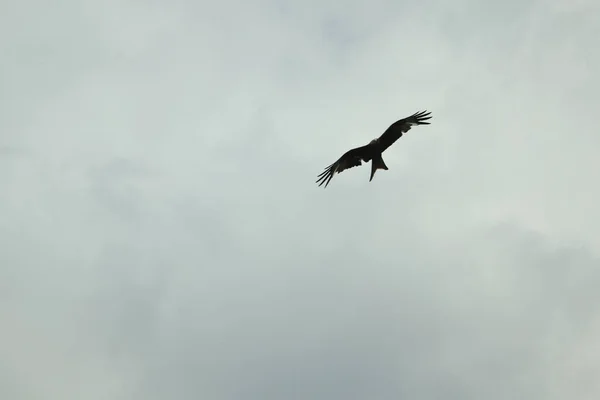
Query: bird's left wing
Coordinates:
[350,159]
[395,131]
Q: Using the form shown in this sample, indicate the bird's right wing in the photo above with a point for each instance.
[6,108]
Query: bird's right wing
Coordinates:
[350,159]
[400,127]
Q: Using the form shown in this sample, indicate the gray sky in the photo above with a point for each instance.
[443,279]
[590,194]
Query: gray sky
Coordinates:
[163,236]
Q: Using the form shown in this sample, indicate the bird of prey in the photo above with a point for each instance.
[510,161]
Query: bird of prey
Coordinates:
[372,151]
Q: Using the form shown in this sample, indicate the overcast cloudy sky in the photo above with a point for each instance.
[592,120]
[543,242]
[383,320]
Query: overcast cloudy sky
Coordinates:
[162,235]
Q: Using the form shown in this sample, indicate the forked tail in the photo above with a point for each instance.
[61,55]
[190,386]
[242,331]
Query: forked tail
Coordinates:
[377,163]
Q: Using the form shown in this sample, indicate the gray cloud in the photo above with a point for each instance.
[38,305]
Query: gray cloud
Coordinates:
[164,237]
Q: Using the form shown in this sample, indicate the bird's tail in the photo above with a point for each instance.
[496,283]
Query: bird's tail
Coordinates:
[377,163]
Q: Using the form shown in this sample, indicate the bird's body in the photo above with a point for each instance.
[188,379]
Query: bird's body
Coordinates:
[373,151]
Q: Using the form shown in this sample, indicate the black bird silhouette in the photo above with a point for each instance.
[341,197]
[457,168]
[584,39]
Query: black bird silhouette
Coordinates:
[372,151]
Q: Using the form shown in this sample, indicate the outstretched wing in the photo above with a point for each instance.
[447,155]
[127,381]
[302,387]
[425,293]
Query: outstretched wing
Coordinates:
[350,159]
[395,131]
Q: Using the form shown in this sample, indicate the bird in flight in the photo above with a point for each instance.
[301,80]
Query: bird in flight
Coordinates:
[372,151]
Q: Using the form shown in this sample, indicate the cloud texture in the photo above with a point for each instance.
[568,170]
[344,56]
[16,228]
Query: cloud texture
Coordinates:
[163,237]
